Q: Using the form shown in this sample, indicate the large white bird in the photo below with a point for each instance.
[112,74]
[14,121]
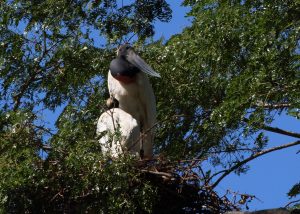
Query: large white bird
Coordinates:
[129,84]
[119,130]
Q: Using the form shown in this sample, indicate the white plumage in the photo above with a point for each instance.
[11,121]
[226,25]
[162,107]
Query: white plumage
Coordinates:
[120,132]
[138,100]
[136,116]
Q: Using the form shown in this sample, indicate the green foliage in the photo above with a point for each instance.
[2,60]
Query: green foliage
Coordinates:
[51,57]
[223,80]
[229,73]
[294,191]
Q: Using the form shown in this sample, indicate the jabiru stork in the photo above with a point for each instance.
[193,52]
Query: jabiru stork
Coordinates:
[129,84]
[114,121]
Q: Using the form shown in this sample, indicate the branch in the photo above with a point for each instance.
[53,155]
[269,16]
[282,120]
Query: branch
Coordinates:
[273,106]
[276,130]
[252,157]
[22,90]
[291,202]
[141,137]
[280,131]
[158,173]
[33,76]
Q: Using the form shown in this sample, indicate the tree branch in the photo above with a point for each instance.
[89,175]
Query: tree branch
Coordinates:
[22,90]
[273,106]
[252,157]
[33,76]
[280,131]
[276,130]
[291,202]
[169,175]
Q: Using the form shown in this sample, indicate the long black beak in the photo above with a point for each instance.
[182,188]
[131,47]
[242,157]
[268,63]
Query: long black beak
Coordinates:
[137,61]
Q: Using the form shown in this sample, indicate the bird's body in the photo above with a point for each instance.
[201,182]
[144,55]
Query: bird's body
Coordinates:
[128,83]
[115,121]
[137,99]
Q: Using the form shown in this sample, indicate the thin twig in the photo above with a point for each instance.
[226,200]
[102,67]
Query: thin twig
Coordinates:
[252,157]
[276,130]
[273,106]
[152,127]
[291,202]
[55,196]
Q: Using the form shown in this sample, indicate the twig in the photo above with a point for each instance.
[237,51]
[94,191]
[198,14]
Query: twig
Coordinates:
[158,173]
[273,106]
[49,131]
[23,89]
[280,131]
[58,194]
[291,202]
[235,167]
[152,127]
[191,160]
[276,130]
[32,78]
[83,196]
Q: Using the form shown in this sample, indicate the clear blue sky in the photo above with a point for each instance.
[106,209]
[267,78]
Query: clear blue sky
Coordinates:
[271,176]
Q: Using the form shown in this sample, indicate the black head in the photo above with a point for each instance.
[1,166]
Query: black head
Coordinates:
[127,53]
[124,50]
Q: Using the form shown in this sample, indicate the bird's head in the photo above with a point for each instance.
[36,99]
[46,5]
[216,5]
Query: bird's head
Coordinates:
[112,103]
[127,52]
[123,50]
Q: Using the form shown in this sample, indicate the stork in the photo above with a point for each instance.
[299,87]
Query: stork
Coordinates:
[129,84]
[114,121]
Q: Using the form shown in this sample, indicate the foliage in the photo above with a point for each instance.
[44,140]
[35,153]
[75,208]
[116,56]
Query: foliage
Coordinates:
[224,79]
[230,65]
[295,190]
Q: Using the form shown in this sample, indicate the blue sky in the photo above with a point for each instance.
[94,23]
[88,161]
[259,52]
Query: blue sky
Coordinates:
[271,176]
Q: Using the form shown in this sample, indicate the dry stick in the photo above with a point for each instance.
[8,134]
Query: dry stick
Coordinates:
[227,172]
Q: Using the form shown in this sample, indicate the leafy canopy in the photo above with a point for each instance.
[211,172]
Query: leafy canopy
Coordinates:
[224,79]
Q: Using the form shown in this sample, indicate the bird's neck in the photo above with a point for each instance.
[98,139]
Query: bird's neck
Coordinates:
[125,79]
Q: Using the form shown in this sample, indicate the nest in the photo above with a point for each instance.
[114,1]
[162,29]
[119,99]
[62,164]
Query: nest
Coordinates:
[180,188]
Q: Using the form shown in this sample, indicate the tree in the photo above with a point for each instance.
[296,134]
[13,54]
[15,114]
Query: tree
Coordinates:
[233,70]
[223,80]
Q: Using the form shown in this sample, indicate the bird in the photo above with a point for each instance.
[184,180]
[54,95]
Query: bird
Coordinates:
[112,122]
[129,84]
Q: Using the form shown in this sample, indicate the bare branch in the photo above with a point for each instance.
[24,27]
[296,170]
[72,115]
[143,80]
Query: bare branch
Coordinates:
[280,131]
[252,157]
[169,175]
[292,202]
[276,130]
[273,106]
